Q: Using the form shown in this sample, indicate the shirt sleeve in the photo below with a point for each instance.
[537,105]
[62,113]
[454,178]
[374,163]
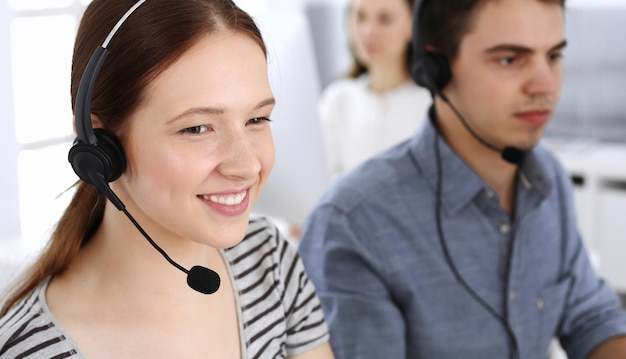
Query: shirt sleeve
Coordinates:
[306,327]
[363,318]
[592,312]
[592,315]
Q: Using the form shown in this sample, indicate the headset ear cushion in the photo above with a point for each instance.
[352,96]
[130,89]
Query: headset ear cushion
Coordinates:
[431,70]
[441,72]
[112,146]
[104,158]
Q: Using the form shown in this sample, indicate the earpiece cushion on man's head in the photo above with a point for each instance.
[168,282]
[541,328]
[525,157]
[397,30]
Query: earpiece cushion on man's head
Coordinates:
[431,70]
[428,69]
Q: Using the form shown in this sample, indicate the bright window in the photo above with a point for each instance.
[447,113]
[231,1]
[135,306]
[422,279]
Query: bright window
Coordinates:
[41,54]
[41,38]
[38,4]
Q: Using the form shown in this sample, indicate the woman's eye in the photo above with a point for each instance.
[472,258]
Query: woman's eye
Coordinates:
[258,120]
[195,130]
[385,19]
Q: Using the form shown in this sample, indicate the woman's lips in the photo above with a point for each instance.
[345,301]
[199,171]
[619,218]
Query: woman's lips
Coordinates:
[228,204]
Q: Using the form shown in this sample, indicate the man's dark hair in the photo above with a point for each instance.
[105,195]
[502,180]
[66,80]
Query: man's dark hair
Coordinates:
[444,22]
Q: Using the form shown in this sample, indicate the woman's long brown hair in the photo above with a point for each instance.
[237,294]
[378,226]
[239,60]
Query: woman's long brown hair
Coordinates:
[150,40]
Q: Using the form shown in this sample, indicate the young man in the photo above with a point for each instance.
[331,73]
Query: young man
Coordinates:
[441,247]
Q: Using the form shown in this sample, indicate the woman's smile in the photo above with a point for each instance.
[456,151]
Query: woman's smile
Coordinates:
[228,204]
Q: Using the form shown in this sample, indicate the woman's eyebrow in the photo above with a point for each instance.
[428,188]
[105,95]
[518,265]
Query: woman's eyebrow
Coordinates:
[207,110]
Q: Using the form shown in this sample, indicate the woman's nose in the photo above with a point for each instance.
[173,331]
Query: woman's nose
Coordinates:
[239,157]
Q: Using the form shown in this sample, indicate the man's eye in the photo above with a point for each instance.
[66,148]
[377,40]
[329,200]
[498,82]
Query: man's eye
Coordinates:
[558,56]
[195,130]
[507,61]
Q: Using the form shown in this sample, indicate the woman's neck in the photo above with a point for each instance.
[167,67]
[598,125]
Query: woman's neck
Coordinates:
[388,76]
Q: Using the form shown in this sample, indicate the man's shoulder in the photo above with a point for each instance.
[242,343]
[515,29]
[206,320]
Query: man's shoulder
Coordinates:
[379,177]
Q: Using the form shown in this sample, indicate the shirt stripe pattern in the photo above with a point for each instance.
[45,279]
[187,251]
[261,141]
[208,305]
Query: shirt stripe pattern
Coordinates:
[28,331]
[280,312]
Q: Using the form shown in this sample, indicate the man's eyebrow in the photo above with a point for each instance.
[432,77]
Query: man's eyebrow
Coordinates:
[522,49]
[560,46]
[216,111]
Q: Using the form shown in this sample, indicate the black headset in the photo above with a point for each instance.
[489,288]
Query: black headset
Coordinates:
[432,71]
[97,156]
[428,69]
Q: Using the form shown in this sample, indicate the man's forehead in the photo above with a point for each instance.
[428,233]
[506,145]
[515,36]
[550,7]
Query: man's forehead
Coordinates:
[531,24]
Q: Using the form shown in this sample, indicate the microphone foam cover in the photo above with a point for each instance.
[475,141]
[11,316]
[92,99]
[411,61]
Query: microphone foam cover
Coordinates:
[203,280]
[513,155]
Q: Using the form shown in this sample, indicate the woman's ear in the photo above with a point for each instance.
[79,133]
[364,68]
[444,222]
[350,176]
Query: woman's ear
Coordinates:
[95,121]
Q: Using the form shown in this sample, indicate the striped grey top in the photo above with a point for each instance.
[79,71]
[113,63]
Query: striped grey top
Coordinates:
[279,313]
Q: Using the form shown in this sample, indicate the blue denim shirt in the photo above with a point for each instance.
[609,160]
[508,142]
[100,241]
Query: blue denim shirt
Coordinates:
[372,250]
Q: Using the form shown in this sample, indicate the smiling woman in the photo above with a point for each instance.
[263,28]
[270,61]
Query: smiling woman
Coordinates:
[203,124]
[173,129]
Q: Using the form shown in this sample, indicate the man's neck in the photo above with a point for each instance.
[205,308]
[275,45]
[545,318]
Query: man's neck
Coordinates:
[497,173]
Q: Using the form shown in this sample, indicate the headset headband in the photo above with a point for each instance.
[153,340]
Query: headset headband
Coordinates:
[82,108]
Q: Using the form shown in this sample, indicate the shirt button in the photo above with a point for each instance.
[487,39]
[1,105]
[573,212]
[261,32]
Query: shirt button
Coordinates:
[504,228]
[540,304]
[490,194]
[512,295]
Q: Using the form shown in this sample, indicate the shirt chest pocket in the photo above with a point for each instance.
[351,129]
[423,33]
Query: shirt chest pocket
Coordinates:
[550,304]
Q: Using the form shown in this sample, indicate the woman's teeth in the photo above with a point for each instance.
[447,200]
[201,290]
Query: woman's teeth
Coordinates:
[229,200]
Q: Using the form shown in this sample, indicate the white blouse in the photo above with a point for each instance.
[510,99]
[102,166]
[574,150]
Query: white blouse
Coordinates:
[358,123]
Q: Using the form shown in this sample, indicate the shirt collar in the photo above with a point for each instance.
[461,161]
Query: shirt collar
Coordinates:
[460,184]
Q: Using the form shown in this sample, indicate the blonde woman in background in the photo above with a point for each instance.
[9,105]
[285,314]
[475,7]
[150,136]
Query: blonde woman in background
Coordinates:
[377,105]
